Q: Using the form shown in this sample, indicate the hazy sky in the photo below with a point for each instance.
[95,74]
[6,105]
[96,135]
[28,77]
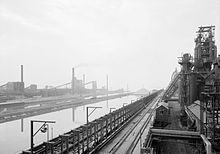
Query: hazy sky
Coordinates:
[135,42]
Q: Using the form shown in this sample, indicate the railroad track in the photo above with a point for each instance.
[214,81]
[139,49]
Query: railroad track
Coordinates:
[130,137]
[92,137]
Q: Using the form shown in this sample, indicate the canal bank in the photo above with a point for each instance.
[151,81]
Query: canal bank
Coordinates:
[13,140]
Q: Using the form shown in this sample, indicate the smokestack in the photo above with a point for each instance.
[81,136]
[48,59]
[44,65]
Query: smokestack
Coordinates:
[22,81]
[73,80]
[84,80]
[94,87]
[22,73]
[107,84]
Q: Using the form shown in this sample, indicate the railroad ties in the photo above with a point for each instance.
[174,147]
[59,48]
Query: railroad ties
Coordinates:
[91,137]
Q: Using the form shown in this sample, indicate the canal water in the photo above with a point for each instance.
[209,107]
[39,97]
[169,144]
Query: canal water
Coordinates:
[15,137]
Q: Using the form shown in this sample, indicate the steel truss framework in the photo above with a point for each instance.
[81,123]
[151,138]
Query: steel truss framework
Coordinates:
[89,137]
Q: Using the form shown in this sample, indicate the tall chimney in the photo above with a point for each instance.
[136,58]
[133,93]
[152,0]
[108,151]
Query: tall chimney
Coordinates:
[22,73]
[73,80]
[107,84]
[22,81]
[84,80]
[94,88]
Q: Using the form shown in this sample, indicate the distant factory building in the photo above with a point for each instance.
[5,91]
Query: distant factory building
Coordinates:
[78,84]
[33,87]
[15,87]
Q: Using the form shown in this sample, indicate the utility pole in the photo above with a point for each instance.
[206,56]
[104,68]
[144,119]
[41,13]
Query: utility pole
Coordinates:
[112,108]
[88,114]
[43,128]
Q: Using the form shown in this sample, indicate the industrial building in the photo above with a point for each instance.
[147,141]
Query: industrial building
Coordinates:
[13,90]
[162,115]
[196,122]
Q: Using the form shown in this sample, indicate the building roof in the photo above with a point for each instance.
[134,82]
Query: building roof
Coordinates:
[163,104]
[195,108]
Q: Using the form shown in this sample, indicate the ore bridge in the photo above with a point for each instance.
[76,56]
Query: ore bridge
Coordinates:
[127,122]
[125,130]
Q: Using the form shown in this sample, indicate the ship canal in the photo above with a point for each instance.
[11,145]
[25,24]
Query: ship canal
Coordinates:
[15,137]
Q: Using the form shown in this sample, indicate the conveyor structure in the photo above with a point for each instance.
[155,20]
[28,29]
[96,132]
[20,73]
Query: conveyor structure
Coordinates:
[90,137]
[172,87]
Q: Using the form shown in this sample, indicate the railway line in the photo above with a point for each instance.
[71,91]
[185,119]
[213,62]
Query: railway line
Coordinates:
[127,140]
[92,137]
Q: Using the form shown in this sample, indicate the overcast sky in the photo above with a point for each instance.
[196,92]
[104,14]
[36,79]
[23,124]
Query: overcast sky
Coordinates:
[135,42]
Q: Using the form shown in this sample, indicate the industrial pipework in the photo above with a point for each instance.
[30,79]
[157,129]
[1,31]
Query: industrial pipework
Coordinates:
[200,82]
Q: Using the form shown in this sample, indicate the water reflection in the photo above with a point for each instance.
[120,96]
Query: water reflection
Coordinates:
[15,135]
[22,125]
[73,113]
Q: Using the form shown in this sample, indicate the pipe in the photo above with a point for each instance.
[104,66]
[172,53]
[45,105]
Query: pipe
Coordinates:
[208,145]
[73,78]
